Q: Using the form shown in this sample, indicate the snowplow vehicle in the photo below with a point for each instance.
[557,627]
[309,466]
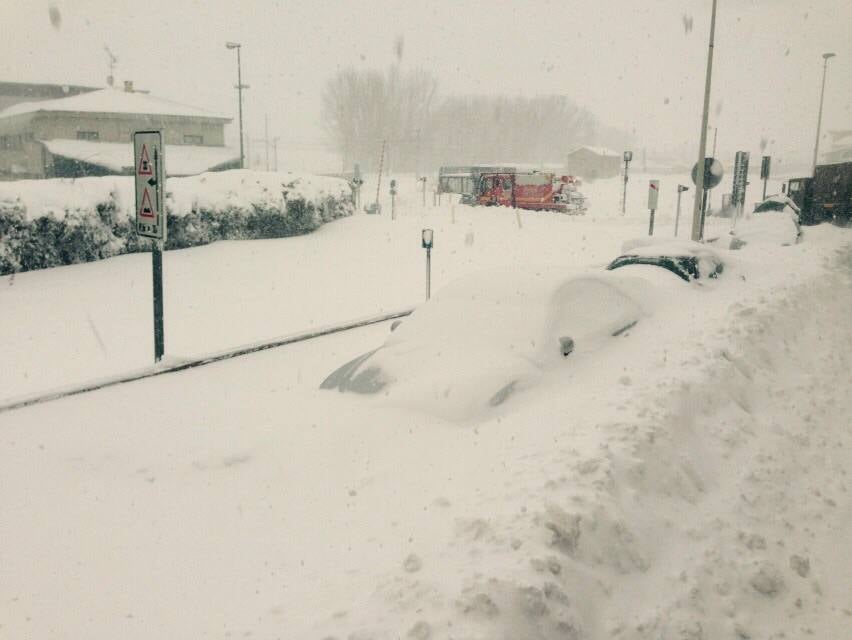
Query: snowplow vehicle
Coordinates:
[534,190]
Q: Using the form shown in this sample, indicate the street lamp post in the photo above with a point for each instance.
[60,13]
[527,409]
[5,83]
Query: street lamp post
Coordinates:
[240,86]
[825,58]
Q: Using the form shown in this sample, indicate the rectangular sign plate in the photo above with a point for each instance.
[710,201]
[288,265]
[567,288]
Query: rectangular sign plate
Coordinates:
[653,193]
[150,184]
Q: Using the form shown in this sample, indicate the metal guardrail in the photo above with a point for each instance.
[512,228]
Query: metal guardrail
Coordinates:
[199,362]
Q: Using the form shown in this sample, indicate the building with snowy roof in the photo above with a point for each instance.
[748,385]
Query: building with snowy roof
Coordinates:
[593,162]
[89,134]
[840,149]
[16,92]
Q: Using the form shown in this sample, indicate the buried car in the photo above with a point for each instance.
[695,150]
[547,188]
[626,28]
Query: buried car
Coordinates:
[774,221]
[686,259]
[490,335]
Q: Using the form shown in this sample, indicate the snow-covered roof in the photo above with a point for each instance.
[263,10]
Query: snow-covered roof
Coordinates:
[601,151]
[113,101]
[181,160]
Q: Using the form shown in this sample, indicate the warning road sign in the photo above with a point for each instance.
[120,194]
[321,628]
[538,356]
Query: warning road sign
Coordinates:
[150,184]
[146,210]
[145,168]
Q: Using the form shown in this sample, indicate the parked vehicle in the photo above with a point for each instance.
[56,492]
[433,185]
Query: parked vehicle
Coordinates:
[451,358]
[534,190]
[827,196]
[686,259]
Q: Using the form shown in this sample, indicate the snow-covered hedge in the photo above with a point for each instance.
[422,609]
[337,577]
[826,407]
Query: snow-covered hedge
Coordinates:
[46,223]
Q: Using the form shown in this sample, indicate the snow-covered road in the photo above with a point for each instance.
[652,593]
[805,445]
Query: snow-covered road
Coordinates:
[691,483]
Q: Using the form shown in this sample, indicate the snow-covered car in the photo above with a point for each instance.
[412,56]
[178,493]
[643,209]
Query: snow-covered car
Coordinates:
[491,335]
[774,221]
[686,259]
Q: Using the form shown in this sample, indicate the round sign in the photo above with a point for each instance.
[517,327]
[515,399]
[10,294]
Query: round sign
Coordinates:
[713,173]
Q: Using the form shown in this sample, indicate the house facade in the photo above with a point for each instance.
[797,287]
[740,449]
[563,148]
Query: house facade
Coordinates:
[593,163]
[90,133]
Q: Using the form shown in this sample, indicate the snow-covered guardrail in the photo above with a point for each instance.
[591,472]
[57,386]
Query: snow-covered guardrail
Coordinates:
[172,366]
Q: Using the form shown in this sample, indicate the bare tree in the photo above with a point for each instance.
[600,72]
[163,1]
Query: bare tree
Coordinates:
[360,109]
[363,108]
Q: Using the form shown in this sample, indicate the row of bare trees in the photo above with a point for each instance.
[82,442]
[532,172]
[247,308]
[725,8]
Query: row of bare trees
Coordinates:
[362,108]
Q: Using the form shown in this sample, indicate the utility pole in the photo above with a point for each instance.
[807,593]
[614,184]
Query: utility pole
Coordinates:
[240,86]
[697,209]
[275,151]
[379,181]
[825,57]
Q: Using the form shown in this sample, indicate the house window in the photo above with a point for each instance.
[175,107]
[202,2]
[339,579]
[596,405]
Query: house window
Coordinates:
[88,135]
[10,142]
[188,139]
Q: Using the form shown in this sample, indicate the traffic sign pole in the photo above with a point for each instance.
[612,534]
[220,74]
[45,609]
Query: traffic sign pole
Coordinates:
[157,268]
[151,217]
[698,208]
[653,197]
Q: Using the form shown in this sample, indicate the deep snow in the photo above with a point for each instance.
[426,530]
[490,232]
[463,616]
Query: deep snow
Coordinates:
[690,483]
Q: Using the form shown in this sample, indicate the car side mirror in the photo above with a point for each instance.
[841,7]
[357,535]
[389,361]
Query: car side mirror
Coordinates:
[566,345]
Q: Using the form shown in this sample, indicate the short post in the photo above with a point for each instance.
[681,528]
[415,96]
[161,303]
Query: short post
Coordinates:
[357,181]
[653,197]
[628,156]
[680,189]
[764,172]
[393,199]
[426,241]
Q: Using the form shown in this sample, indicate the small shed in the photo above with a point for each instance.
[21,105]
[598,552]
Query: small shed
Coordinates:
[593,162]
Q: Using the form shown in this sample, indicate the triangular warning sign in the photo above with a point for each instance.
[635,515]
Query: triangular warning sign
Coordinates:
[146,210]
[145,168]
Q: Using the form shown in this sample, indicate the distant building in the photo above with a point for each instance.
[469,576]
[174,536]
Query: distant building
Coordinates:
[12,93]
[593,162]
[841,147]
[89,134]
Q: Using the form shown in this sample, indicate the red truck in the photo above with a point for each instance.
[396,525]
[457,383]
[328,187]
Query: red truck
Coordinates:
[534,190]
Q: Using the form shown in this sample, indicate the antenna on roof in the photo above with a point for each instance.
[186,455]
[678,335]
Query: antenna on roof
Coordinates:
[112,61]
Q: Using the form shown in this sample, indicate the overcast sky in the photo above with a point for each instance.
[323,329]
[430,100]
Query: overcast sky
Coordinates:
[638,66]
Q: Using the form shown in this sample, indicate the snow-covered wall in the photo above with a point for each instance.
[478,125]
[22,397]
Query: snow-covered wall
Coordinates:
[46,223]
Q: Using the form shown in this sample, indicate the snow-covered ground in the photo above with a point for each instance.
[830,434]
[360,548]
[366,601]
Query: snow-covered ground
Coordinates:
[689,482]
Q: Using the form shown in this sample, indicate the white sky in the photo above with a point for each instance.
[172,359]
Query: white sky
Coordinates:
[632,63]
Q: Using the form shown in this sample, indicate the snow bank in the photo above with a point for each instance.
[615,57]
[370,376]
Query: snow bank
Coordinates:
[45,223]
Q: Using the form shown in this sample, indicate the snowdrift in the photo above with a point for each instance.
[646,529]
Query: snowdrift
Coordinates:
[46,223]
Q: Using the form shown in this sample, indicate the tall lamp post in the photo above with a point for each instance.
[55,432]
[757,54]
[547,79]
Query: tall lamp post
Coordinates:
[240,86]
[825,58]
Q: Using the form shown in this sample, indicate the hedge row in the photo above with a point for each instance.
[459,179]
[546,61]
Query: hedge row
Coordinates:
[84,235]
